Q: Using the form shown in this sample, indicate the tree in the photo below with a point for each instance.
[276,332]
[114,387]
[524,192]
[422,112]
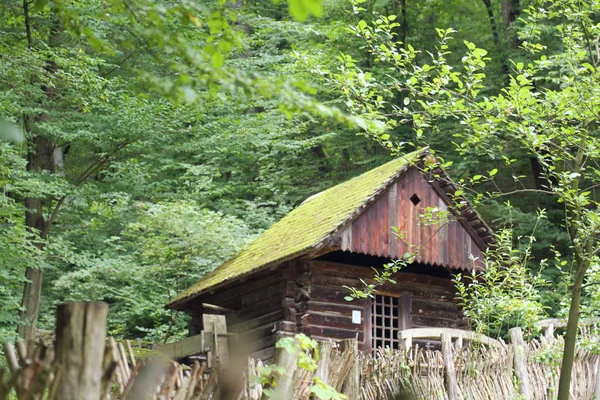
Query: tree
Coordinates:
[70,66]
[549,111]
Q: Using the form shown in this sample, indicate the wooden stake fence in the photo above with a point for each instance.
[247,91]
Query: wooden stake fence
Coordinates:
[83,365]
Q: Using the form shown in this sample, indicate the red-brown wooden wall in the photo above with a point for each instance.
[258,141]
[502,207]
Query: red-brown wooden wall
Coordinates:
[443,244]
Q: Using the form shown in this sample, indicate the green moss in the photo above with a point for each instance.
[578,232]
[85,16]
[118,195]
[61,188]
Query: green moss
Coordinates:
[306,227]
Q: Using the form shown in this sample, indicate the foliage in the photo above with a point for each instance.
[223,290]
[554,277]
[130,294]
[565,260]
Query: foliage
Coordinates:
[145,110]
[17,243]
[166,248]
[219,117]
[504,294]
[306,352]
[539,114]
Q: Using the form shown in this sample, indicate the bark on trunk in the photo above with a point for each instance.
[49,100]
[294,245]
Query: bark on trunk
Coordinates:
[403,23]
[510,12]
[493,26]
[40,158]
[566,368]
[43,154]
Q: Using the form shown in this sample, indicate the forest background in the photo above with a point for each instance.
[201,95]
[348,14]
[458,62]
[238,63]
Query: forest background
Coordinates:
[146,142]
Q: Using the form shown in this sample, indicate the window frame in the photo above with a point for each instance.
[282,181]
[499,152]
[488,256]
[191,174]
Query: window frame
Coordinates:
[404,317]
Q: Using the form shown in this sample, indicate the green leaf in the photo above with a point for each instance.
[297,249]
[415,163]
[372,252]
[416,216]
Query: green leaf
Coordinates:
[39,5]
[302,9]
[217,59]
[589,67]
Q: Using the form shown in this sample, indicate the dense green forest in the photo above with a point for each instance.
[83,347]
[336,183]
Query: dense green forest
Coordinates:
[145,142]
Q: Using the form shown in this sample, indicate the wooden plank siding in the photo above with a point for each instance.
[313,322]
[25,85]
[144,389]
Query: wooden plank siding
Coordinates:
[446,244]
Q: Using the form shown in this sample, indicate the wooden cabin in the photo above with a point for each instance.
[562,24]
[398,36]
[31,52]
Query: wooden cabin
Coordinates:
[294,278]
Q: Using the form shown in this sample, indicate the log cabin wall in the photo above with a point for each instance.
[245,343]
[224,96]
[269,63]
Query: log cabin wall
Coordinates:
[447,244]
[261,310]
[326,314]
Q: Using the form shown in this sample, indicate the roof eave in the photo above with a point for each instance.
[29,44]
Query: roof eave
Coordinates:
[177,303]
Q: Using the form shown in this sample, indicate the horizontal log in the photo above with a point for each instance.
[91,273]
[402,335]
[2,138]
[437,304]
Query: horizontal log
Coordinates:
[332,294]
[260,332]
[248,325]
[337,333]
[332,320]
[263,307]
[273,291]
[265,355]
[321,306]
[431,311]
[429,305]
[232,293]
[266,342]
[328,268]
[422,321]
[286,326]
[186,347]
[290,289]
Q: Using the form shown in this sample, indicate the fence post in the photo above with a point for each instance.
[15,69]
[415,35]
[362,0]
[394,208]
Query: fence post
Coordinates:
[597,387]
[80,342]
[520,362]
[322,372]
[285,382]
[351,385]
[451,383]
[217,326]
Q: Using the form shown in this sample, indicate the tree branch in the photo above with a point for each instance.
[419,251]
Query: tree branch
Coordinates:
[94,167]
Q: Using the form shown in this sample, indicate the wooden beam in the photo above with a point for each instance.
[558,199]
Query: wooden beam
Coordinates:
[435,333]
[201,343]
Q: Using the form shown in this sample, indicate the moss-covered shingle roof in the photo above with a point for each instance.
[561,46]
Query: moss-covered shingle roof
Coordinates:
[306,227]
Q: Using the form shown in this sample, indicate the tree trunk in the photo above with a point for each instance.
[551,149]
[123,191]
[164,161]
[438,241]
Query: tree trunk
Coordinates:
[566,368]
[43,154]
[403,23]
[39,158]
[493,26]
[510,12]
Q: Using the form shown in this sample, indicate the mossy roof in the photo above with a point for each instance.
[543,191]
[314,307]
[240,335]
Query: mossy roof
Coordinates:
[306,227]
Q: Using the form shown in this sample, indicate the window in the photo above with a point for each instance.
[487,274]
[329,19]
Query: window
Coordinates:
[415,199]
[389,315]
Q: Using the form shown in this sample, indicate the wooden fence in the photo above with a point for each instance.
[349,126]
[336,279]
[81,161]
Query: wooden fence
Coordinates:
[84,365]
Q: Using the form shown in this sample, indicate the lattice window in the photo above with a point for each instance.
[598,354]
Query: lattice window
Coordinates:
[385,322]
